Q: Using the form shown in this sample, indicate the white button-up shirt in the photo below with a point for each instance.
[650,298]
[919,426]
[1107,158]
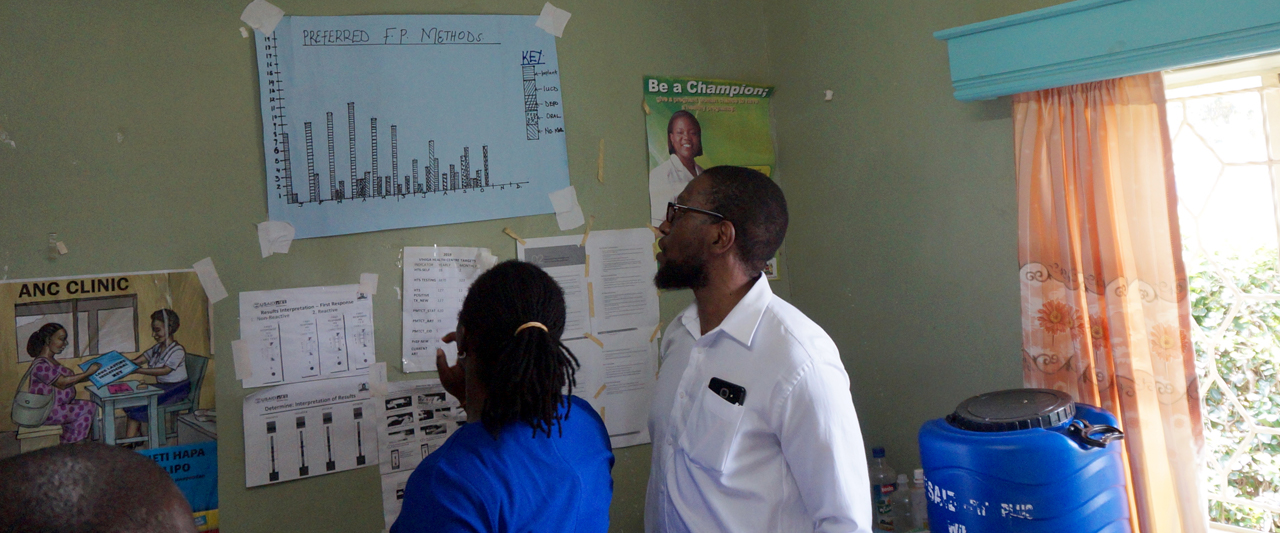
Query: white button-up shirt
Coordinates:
[790,459]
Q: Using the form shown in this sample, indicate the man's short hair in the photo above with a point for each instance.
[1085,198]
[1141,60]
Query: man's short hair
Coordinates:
[89,487]
[756,207]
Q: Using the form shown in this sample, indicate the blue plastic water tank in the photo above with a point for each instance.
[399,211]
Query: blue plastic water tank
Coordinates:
[1026,461]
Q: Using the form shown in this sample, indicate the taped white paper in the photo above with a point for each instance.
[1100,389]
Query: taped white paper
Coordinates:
[414,420]
[307,333]
[209,280]
[262,15]
[240,357]
[828,94]
[244,33]
[368,283]
[552,19]
[274,237]
[62,248]
[435,283]
[616,306]
[304,430]
[568,212]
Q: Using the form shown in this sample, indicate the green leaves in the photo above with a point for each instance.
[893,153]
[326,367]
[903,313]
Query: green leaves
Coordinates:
[1235,304]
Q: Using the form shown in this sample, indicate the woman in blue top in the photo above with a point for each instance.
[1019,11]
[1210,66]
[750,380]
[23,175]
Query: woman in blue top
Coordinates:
[537,460]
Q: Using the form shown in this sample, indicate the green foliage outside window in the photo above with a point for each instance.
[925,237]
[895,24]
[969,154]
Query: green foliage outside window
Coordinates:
[1235,301]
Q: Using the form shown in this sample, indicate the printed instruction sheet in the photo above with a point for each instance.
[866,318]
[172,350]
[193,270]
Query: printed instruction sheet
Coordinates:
[308,429]
[611,323]
[414,419]
[305,334]
[436,279]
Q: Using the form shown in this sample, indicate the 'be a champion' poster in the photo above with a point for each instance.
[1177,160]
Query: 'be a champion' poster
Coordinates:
[694,124]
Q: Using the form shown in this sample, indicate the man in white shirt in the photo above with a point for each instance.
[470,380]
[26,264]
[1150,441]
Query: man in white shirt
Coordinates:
[753,425]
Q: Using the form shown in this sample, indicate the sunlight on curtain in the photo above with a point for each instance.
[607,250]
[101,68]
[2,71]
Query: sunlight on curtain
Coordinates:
[1104,310]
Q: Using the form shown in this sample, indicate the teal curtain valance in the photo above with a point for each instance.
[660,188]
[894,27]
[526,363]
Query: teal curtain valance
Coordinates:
[1090,40]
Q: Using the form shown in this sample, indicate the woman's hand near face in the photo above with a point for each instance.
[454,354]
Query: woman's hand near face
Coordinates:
[452,377]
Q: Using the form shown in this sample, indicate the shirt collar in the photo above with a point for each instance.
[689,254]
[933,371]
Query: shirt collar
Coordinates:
[742,320]
[678,170]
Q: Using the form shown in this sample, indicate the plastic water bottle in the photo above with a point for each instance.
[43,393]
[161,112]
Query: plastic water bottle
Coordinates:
[919,503]
[883,481]
[900,501]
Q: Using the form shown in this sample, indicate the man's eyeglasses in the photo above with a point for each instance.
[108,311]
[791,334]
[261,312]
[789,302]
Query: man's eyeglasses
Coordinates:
[674,208]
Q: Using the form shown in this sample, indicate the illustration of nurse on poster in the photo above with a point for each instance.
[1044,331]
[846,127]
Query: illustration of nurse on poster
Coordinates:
[694,124]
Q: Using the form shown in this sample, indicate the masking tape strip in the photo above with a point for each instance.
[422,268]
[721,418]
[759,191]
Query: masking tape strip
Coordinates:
[62,248]
[645,105]
[368,284]
[591,299]
[209,280]
[600,163]
[594,339]
[586,269]
[599,391]
[656,233]
[513,235]
[590,220]
[654,335]
[240,358]
[378,379]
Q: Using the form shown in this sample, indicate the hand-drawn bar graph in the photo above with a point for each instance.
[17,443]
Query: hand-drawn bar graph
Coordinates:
[441,126]
[372,184]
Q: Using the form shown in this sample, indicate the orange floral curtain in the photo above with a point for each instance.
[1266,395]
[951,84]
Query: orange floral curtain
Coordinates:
[1105,315]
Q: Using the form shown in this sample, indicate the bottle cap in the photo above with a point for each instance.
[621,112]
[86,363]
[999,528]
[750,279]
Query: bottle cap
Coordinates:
[877,452]
[919,474]
[902,480]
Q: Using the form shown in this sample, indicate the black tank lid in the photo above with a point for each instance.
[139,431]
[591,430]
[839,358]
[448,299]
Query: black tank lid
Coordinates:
[1014,409]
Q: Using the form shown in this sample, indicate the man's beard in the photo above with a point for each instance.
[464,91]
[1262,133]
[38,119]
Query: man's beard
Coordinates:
[681,275]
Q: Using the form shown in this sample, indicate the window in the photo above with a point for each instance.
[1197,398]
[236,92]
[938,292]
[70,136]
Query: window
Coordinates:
[1225,124]
[94,325]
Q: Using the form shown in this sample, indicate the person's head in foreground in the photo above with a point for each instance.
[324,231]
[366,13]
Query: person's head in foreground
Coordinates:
[509,329]
[76,488]
[727,220]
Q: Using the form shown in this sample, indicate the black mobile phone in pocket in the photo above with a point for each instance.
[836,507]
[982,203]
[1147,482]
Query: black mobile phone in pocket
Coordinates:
[731,393]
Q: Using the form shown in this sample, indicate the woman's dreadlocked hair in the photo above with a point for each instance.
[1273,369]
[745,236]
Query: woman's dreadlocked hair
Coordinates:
[525,372]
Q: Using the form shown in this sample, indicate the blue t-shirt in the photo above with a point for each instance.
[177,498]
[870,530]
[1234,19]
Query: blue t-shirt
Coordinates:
[518,482]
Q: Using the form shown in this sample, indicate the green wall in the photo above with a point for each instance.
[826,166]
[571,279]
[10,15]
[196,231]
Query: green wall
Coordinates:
[904,241]
[137,132]
[185,180]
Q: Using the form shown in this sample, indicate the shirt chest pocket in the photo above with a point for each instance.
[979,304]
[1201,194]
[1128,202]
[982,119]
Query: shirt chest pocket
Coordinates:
[711,430]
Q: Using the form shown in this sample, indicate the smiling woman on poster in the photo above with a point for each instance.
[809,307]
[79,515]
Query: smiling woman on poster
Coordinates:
[684,142]
[50,378]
